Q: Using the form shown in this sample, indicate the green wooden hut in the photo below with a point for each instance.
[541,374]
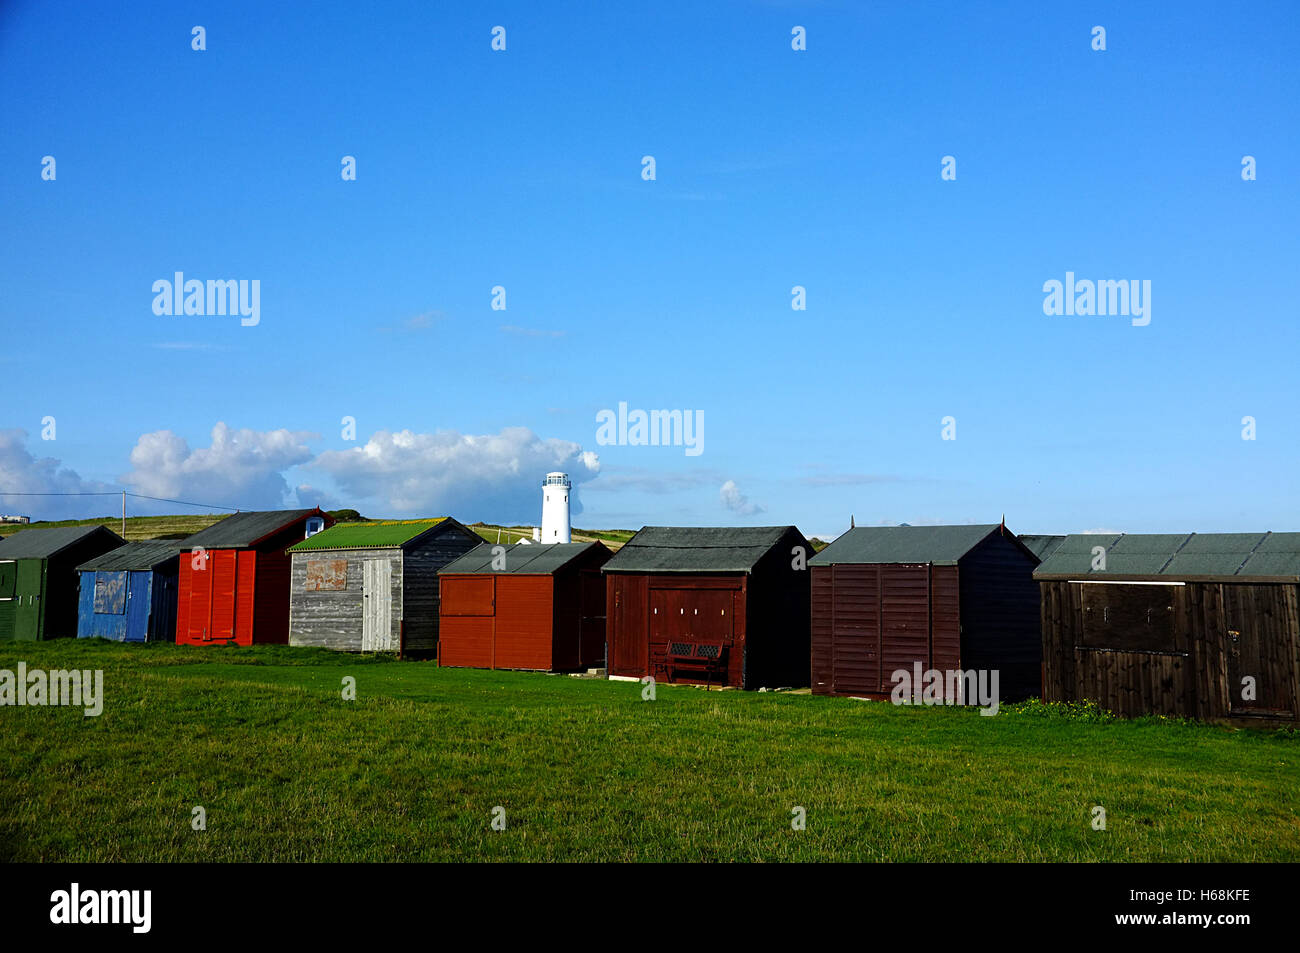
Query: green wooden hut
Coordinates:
[39,579]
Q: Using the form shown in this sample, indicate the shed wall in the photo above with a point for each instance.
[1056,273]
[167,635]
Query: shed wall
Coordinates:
[333,618]
[645,611]
[1001,618]
[1221,633]
[421,590]
[869,621]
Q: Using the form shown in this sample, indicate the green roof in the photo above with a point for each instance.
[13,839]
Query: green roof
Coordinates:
[1041,546]
[375,534]
[1271,557]
[697,548]
[145,554]
[940,545]
[44,543]
[242,530]
[521,558]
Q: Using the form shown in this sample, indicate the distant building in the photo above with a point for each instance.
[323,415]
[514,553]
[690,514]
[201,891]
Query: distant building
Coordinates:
[15,519]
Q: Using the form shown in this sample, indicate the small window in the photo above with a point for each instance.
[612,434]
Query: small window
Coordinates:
[326,574]
[1129,618]
[314,525]
[110,593]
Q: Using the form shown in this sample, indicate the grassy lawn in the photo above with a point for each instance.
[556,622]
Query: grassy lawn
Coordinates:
[586,770]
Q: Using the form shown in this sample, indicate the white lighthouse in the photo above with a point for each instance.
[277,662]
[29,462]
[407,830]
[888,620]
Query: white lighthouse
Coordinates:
[555,508]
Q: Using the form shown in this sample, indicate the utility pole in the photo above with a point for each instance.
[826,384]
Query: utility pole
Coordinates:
[124,514]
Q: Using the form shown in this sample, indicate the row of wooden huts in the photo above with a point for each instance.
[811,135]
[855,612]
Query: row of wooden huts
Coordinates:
[1201,625]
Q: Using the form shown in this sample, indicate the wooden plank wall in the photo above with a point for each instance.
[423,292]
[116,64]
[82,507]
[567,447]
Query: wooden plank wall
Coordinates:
[1194,679]
[420,591]
[331,618]
[1000,617]
[777,635]
[874,619]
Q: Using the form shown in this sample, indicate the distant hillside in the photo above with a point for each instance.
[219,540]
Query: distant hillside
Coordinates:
[137,527]
[613,538]
[178,527]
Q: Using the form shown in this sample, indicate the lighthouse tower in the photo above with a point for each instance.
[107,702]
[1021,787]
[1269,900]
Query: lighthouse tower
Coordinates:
[555,508]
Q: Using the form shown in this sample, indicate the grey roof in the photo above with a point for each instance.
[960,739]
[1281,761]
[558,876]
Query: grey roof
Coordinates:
[696,548]
[146,554]
[525,559]
[1041,546]
[940,545]
[1273,557]
[44,543]
[242,530]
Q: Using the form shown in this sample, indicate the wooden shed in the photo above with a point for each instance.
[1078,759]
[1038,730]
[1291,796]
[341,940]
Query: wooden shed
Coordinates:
[710,604]
[1201,625]
[129,594]
[38,579]
[539,607]
[949,598]
[373,586]
[234,577]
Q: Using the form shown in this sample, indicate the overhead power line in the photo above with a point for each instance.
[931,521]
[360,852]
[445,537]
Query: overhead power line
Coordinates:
[137,496]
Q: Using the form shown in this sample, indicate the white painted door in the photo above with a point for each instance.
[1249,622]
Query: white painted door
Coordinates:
[377,605]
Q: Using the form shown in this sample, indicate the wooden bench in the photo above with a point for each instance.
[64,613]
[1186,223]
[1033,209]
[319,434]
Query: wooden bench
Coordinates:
[708,657]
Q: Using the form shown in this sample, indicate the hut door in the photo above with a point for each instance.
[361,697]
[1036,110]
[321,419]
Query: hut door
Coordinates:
[709,615]
[1258,667]
[376,605]
[28,596]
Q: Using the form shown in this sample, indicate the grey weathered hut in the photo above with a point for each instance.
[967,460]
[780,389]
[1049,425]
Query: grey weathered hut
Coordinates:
[373,586]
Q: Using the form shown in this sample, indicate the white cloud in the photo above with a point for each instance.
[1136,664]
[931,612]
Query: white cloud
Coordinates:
[242,468]
[738,502]
[471,476]
[21,472]
[415,323]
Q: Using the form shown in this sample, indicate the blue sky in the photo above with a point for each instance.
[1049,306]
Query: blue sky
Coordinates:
[774,168]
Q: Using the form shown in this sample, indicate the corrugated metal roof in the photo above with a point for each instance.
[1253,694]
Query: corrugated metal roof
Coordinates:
[372,535]
[522,558]
[1041,546]
[241,530]
[696,548]
[44,543]
[1178,556]
[941,545]
[145,554]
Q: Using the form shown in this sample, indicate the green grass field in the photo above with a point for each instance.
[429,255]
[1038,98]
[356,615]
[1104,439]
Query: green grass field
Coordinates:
[586,770]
